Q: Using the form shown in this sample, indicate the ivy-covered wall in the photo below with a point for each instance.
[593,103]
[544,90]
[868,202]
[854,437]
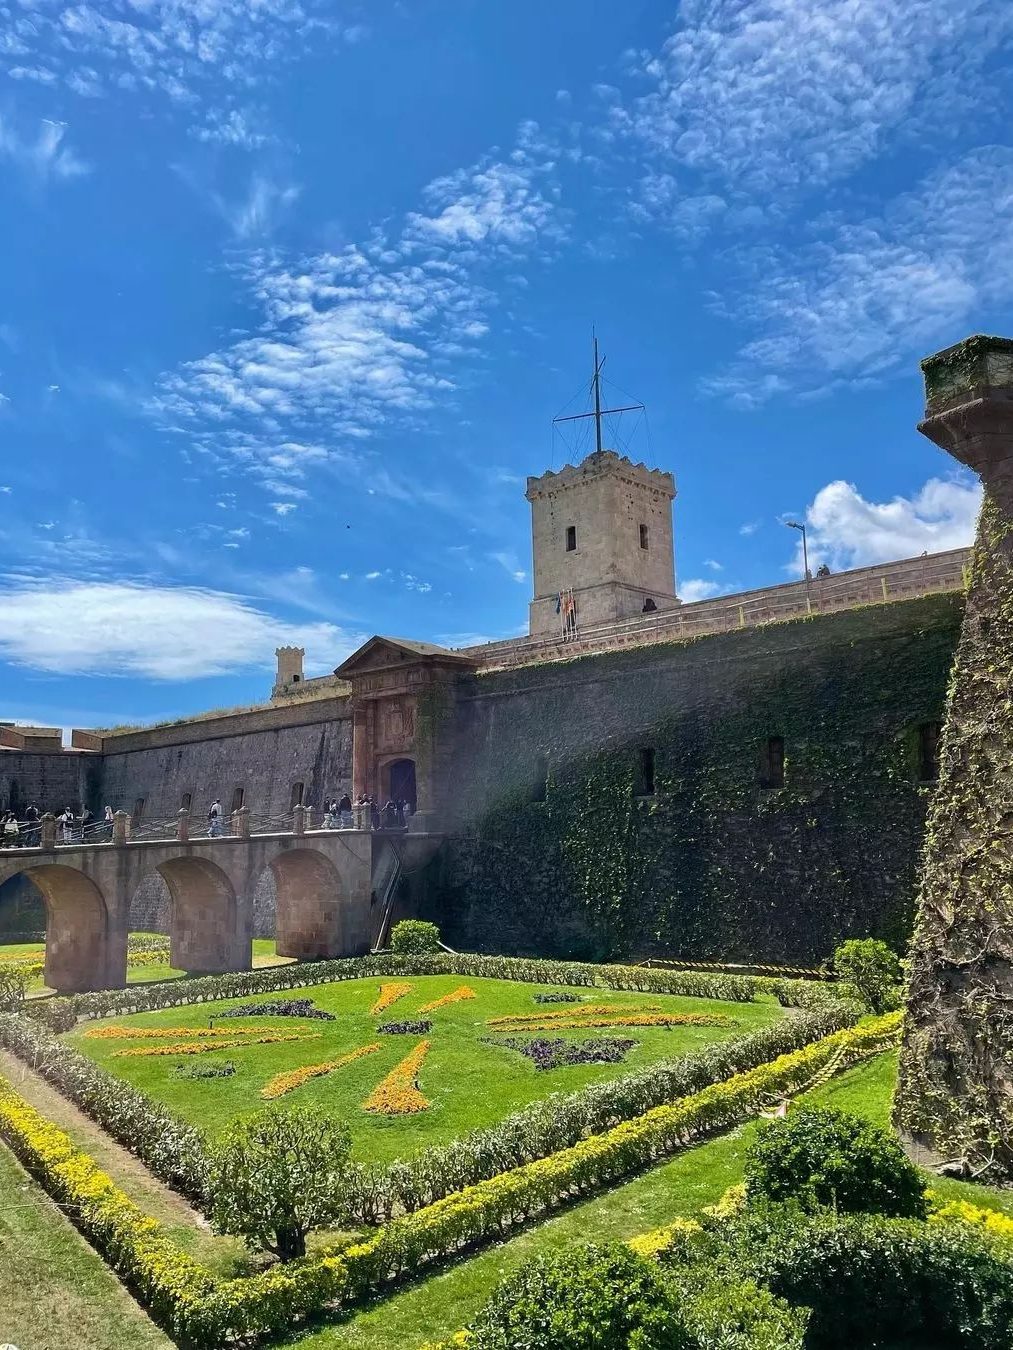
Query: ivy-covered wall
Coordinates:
[710,864]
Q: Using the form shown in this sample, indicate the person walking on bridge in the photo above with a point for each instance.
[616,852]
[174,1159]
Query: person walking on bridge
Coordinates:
[345,811]
[11,833]
[215,819]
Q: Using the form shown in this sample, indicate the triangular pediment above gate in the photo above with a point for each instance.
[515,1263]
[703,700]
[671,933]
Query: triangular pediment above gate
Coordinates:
[385,653]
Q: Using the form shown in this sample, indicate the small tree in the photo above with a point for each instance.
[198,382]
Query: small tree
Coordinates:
[819,1159]
[414,937]
[276,1177]
[873,969]
[13,984]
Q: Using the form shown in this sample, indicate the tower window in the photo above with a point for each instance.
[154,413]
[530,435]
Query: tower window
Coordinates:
[238,799]
[644,783]
[296,679]
[185,800]
[297,791]
[540,781]
[928,751]
[571,538]
[772,764]
[644,536]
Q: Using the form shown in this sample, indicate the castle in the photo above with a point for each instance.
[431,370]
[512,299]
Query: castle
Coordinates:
[743,776]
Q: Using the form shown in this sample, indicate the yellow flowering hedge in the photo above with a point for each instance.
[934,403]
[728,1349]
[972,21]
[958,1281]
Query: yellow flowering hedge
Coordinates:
[205,1047]
[942,1210]
[389,993]
[398,1093]
[293,1078]
[490,1208]
[455,996]
[189,1300]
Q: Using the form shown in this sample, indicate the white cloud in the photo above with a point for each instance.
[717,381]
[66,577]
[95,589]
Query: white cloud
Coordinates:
[497,204]
[698,589]
[508,561]
[283,508]
[769,95]
[43,156]
[877,294]
[156,632]
[750,527]
[845,530]
[713,565]
[5,488]
[257,213]
[240,127]
[372,576]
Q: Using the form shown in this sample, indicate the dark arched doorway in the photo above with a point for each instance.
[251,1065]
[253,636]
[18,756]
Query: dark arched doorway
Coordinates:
[399,783]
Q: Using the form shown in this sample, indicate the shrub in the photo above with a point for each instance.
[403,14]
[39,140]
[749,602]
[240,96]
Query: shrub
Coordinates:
[821,1158]
[728,1314]
[13,983]
[56,1014]
[592,1298]
[873,969]
[872,1281]
[414,937]
[276,1177]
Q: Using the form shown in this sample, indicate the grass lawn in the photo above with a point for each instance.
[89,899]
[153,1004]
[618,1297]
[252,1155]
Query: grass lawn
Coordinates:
[264,954]
[468,1083]
[56,1293]
[435,1308]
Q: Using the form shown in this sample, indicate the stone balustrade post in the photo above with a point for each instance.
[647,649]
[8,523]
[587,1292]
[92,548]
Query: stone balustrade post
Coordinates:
[241,823]
[299,825]
[309,817]
[183,825]
[48,837]
[121,827]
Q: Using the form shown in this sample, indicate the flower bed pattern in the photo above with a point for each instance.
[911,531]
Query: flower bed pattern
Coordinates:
[293,1078]
[207,1047]
[587,1010]
[627,1020]
[389,993]
[558,997]
[398,1093]
[455,996]
[286,1007]
[118,1033]
[557,1054]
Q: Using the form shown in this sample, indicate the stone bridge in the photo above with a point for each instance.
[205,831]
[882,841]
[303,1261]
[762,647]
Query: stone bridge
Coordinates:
[335,890]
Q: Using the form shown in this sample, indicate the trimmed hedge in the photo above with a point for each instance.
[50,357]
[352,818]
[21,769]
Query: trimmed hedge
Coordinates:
[303,975]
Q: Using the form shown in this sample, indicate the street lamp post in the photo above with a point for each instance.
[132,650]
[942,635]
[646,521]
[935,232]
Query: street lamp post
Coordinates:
[796,525]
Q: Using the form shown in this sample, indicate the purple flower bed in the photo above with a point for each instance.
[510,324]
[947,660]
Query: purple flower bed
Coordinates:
[557,998]
[546,1053]
[418,1028]
[284,1007]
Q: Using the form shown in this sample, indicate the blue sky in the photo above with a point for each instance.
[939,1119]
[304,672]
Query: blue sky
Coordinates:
[290,291]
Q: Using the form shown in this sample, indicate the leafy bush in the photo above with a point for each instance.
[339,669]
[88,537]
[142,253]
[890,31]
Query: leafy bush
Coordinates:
[877,1282]
[729,1314]
[13,984]
[284,1007]
[221,1069]
[592,1298]
[414,937]
[873,970]
[56,1014]
[821,1158]
[276,1177]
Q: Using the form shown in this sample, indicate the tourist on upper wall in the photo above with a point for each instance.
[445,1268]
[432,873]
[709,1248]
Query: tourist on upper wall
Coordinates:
[108,822]
[10,831]
[345,811]
[215,819]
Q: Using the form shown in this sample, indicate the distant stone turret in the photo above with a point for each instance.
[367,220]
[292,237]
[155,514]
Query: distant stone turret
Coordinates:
[290,671]
[604,528]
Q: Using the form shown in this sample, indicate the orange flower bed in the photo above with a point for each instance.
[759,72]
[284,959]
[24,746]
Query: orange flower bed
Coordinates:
[389,993]
[456,996]
[626,1020]
[398,1093]
[116,1033]
[205,1047]
[584,1010]
[293,1078]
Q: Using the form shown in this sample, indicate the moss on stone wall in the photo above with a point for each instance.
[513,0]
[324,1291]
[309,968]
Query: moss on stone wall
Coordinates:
[955,1091]
[710,864]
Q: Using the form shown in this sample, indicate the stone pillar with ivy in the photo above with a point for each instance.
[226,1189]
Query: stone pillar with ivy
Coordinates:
[955,1093]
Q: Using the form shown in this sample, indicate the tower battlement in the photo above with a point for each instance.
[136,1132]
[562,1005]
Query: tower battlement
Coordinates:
[603,529]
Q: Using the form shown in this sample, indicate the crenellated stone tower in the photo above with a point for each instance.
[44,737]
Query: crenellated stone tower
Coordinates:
[604,528]
[955,1094]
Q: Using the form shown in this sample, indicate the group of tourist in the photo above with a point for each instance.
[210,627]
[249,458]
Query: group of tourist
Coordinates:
[339,814]
[74,827]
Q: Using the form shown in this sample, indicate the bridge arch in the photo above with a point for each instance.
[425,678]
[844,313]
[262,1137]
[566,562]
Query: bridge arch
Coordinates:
[82,952]
[310,905]
[206,934]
